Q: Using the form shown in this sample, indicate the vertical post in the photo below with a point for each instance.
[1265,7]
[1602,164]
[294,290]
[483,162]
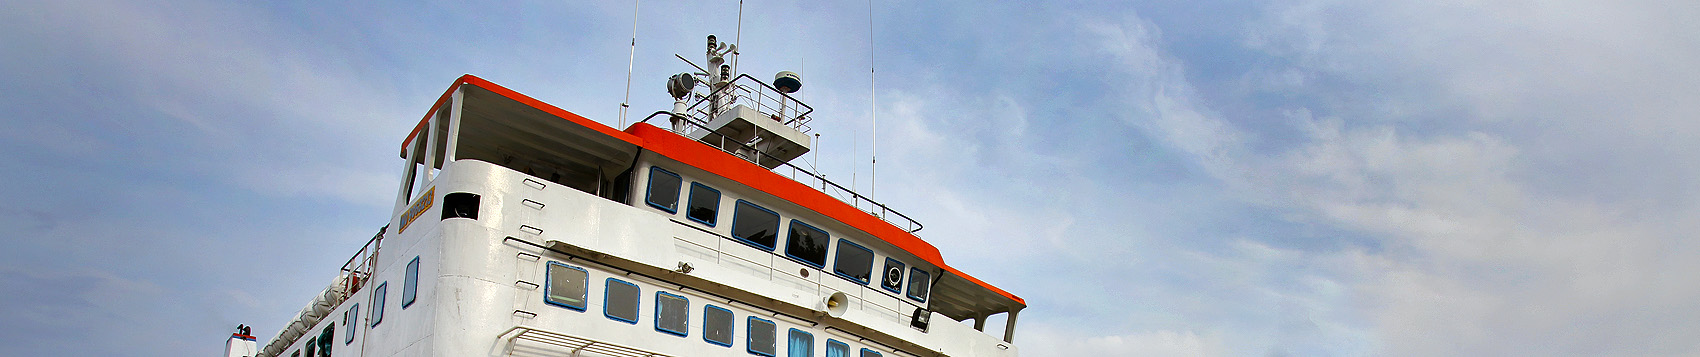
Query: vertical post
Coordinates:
[430,136]
[405,192]
[1009,327]
[980,323]
[454,126]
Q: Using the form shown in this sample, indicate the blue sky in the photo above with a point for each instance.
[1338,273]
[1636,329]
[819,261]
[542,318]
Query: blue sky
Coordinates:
[1303,177]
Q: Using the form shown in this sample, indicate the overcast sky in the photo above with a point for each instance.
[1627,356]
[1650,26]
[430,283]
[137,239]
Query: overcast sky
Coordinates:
[1398,177]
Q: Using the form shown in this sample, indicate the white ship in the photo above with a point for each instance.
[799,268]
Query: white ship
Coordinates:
[521,229]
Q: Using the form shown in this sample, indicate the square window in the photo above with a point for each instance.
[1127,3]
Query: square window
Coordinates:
[762,336]
[378,303]
[663,189]
[799,344]
[717,325]
[672,313]
[754,225]
[853,262]
[869,353]
[566,286]
[837,349]
[892,279]
[410,286]
[325,340]
[918,280]
[351,321]
[807,244]
[621,300]
[704,204]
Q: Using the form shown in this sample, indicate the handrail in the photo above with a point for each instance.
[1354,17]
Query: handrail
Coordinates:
[577,344]
[360,266]
[909,224]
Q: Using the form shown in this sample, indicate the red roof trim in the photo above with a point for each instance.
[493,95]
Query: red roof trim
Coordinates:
[516,96]
[718,162]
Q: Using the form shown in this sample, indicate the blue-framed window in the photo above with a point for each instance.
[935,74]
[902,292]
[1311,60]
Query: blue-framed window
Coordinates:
[410,285]
[799,344]
[378,302]
[312,347]
[837,349]
[326,338]
[755,225]
[918,284]
[620,301]
[870,353]
[717,325]
[762,335]
[663,190]
[350,321]
[672,313]
[853,262]
[704,204]
[566,286]
[807,244]
[892,279]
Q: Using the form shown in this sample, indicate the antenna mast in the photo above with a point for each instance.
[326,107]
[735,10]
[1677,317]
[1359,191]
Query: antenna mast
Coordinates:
[874,103]
[631,58]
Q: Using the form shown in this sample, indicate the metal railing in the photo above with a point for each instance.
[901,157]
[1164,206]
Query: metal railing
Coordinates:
[753,93]
[808,178]
[359,267]
[574,345]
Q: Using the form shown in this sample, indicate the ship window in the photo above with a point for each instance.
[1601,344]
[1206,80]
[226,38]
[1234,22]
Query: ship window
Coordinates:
[621,300]
[704,204]
[566,286]
[755,225]
[312,347]
[853,261]
[893,277]
[869,353]
[799,344]
[296,354]
[663,189]
[837,349]
[378,303]
[762,337]
[325,339]
[672,313]
[918,280]
[410,286]
[807,244]
[350,321]
[460,205]
[717,325]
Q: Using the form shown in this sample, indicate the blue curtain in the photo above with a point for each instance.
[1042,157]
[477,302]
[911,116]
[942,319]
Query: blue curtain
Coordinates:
[837,349]
[802,344]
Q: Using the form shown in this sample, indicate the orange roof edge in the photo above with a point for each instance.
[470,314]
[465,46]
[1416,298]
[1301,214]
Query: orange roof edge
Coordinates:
[690,152]
[516,96]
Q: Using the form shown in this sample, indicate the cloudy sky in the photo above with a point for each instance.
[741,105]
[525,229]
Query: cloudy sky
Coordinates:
[1278,177]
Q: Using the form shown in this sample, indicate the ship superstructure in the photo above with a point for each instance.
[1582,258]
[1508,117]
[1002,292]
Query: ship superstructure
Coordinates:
[521,229]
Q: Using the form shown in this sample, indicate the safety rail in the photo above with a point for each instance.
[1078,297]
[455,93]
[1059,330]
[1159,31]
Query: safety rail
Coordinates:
[809,178]
[753,93]
[359,267]
[576,345]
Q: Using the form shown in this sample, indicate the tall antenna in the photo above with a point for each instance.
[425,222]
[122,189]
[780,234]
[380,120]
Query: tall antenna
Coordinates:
[874,103]
[738,38]
[631,58]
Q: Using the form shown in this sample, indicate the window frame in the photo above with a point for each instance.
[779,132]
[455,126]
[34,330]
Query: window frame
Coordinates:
[690,201]
[353,312]
[830,342]
[687,311]
[926,279]
[901,278]
[379,294]
[789,237]
[731,331]
[811,349]
[410,284]
[649,189]
[549,282]
[749,338]
[865,351]
[838,254]
[606,305]
[777,220]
